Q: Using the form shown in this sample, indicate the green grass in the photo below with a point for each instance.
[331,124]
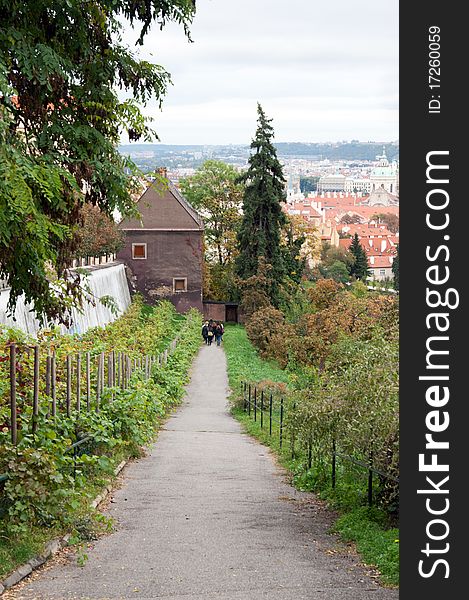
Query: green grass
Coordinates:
[244,363]
[379,547]
[17,551]
[367,527]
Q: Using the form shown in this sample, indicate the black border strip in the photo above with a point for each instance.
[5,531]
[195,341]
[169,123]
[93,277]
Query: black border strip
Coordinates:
[433,120]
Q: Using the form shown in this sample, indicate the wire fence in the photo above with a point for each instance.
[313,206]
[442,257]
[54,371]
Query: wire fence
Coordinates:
[270,411]
[68,386]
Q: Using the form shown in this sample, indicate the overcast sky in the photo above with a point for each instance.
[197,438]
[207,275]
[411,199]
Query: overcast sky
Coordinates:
[323,70]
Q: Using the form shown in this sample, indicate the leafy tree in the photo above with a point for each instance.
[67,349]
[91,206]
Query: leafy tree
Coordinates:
[338,272]
[331,254]
[99,234]
[359,268]
[255,289]
[263,218]
[220,282]
[294,260]
[262,325]
[213,191]
[304,233]
[350,219]
[395,269]
[61,64]
[323,293]
[389,219]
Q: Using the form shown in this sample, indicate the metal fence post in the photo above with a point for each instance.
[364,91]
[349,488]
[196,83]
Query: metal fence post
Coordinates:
[79,382]
[255,404]
[13,422]
[292,437]
[109,370]
[333,464]
[48,369]
[53,386]
[270,414]
[310,451]
[262,409]
[69,385]
[36,389]
[88,381]
[249,401]
[281,421]
[98,381]
[370,478]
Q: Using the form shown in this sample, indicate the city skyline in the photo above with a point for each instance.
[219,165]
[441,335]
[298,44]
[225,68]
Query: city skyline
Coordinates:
[322,73]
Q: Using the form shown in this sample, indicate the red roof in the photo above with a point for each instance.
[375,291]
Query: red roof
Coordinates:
[377,246]
[381,262]
[301,210]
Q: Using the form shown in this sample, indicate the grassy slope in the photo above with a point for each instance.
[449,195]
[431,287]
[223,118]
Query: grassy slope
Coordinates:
[377,544]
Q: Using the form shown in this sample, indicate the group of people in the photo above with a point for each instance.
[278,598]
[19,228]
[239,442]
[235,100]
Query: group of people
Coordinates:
[212,330]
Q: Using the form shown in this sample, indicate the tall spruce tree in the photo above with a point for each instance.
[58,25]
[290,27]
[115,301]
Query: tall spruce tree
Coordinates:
[263,219]
[359,269]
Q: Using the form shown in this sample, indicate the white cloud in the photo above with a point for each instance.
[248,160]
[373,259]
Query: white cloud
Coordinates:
[322,70]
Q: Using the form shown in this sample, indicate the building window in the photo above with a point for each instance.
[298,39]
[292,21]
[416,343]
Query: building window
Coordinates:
[179,284]
[139,251]
[382,272]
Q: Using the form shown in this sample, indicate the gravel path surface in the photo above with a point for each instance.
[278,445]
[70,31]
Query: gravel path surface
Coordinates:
[208,515]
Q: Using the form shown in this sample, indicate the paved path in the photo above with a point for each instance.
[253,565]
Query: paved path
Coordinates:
[207,515]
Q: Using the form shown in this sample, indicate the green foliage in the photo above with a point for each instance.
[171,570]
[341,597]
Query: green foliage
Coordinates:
[263,219]
[294,262]
[61,117]
[213,190]
[255,290]
[336,263]
[338,272]
[98,234]
[48,480]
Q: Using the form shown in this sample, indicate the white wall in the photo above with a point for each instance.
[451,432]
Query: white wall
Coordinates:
[104,281]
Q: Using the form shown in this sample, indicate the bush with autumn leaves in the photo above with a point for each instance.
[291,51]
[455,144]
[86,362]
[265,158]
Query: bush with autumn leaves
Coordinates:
[342,356]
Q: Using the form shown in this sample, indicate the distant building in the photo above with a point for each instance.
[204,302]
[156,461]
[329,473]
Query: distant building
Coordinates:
[332,183]
[381,197]
[385,175]
[358,185]
[163,251]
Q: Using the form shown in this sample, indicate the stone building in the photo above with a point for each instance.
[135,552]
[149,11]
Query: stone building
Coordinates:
[163,250]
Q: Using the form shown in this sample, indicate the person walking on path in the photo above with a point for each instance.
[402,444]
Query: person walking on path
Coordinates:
[219,331]
[210,332]
[205,331]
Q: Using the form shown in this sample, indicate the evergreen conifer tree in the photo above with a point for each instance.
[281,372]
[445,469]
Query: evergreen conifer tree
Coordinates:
[263,219]
[359,268]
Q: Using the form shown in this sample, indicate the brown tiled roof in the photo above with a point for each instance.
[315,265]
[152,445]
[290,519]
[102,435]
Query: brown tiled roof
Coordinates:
[163,209]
